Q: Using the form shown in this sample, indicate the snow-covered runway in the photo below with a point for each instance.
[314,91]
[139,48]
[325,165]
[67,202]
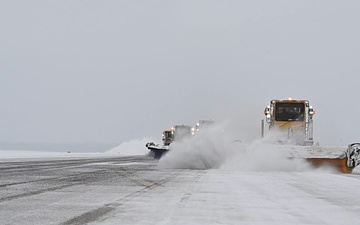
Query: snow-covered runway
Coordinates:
[217,197]
[134,190]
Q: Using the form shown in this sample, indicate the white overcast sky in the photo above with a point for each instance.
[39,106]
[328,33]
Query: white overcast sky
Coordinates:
[115,70]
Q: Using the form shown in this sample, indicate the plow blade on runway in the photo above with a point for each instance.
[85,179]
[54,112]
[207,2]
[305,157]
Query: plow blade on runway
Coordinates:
[341,159]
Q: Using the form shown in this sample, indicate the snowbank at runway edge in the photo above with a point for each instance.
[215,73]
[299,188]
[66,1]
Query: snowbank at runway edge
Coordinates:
[24,154]
[133,147]
[29,154]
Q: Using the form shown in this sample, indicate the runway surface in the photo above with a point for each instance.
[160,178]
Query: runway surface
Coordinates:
[133,190]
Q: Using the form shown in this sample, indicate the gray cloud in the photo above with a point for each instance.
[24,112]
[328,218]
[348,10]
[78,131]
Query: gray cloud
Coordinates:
[110,71]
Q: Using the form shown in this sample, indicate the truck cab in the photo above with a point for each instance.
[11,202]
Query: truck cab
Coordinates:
[292,116]
[167,137]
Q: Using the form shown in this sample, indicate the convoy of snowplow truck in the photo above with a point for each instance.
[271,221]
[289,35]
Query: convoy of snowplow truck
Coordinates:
[176,133]
[288,126]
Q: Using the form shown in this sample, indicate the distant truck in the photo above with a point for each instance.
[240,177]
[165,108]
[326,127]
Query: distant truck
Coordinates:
[203,124]
[180,132]
[175,134]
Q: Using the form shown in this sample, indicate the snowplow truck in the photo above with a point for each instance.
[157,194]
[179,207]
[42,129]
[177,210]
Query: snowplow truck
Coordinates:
[181,132]
[176,134]
[292,120]
[203,124]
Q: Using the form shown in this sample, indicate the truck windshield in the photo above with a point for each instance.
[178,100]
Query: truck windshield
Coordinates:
[289,112]
[167,135]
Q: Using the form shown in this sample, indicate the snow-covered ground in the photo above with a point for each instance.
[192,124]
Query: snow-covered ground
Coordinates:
[236,197]
[246,184]
[132,147]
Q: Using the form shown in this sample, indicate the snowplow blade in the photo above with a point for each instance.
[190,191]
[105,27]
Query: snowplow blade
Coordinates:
[158,151]
[344,163]
[340,158]
[340,164]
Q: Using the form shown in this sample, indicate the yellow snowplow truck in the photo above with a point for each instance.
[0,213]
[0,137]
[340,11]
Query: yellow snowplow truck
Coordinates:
[175,134]
[290,124]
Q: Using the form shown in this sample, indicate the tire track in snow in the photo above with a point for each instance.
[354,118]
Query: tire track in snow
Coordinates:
[100,213]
